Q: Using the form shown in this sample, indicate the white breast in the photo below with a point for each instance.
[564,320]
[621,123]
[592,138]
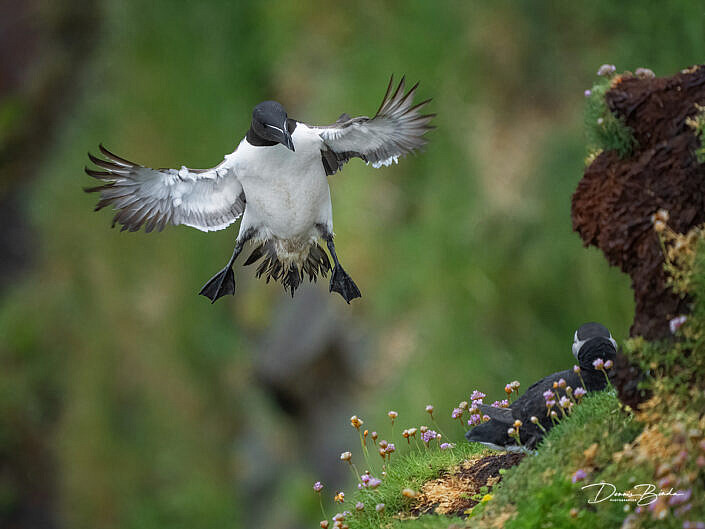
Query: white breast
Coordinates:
[286,192]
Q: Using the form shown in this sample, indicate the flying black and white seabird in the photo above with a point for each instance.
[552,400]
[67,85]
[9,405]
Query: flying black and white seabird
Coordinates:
[276,180]
[590,342]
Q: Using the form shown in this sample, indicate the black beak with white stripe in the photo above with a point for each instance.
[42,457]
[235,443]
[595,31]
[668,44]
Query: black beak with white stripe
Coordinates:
[590,342]
[270,125]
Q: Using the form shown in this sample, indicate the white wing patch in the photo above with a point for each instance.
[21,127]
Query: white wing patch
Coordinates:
[207,200]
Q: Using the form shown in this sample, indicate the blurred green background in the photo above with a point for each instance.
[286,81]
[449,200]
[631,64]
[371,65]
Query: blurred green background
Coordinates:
[127,401]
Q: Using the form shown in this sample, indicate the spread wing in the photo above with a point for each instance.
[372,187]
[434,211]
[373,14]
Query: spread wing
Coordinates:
[205,199]
[398,128]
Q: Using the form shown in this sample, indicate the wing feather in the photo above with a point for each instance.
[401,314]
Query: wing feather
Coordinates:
[503,415]
[397,129]
[205,199]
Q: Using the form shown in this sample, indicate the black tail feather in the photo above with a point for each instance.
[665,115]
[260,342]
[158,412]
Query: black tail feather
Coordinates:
[255,255]
[317,263]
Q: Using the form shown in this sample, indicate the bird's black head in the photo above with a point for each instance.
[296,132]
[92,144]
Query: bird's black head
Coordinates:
[270,123]
[592,341]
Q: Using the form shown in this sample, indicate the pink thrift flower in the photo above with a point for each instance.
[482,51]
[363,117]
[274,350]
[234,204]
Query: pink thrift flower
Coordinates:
[477,395]
[428,435]
[681,496]
[374,483]
[579,475]
[475,419]
[606,70]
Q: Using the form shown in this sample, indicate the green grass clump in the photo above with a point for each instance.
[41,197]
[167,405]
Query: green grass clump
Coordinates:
[429,521]
[410,471]
[598,419]
[540,488]
[604,130]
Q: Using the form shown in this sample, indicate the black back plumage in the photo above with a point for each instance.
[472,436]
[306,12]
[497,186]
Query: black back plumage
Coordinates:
[533,403]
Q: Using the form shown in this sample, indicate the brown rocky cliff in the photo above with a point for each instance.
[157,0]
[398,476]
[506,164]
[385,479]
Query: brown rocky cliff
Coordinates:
[613,203]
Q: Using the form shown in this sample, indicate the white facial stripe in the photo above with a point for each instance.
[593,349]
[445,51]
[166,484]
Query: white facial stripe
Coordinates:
[613,342]
[577,344]
[273,127]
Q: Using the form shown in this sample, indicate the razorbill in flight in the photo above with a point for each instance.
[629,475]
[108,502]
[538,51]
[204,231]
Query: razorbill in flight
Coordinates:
[590,342]
[276,179]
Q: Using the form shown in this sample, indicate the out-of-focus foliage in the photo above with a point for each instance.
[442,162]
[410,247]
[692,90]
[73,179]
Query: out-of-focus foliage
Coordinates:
[144,396]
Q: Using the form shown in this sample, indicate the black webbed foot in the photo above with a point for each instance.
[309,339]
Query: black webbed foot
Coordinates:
[219,285]
[342,283]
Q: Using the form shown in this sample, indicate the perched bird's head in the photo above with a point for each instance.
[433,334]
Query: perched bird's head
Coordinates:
[592,341]
[270,122]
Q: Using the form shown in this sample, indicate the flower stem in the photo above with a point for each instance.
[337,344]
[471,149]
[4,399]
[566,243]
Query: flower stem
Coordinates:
[607,378]
[365,454]
[517,438]
[438,428]
[320,502]
[356,472]
[462,428]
